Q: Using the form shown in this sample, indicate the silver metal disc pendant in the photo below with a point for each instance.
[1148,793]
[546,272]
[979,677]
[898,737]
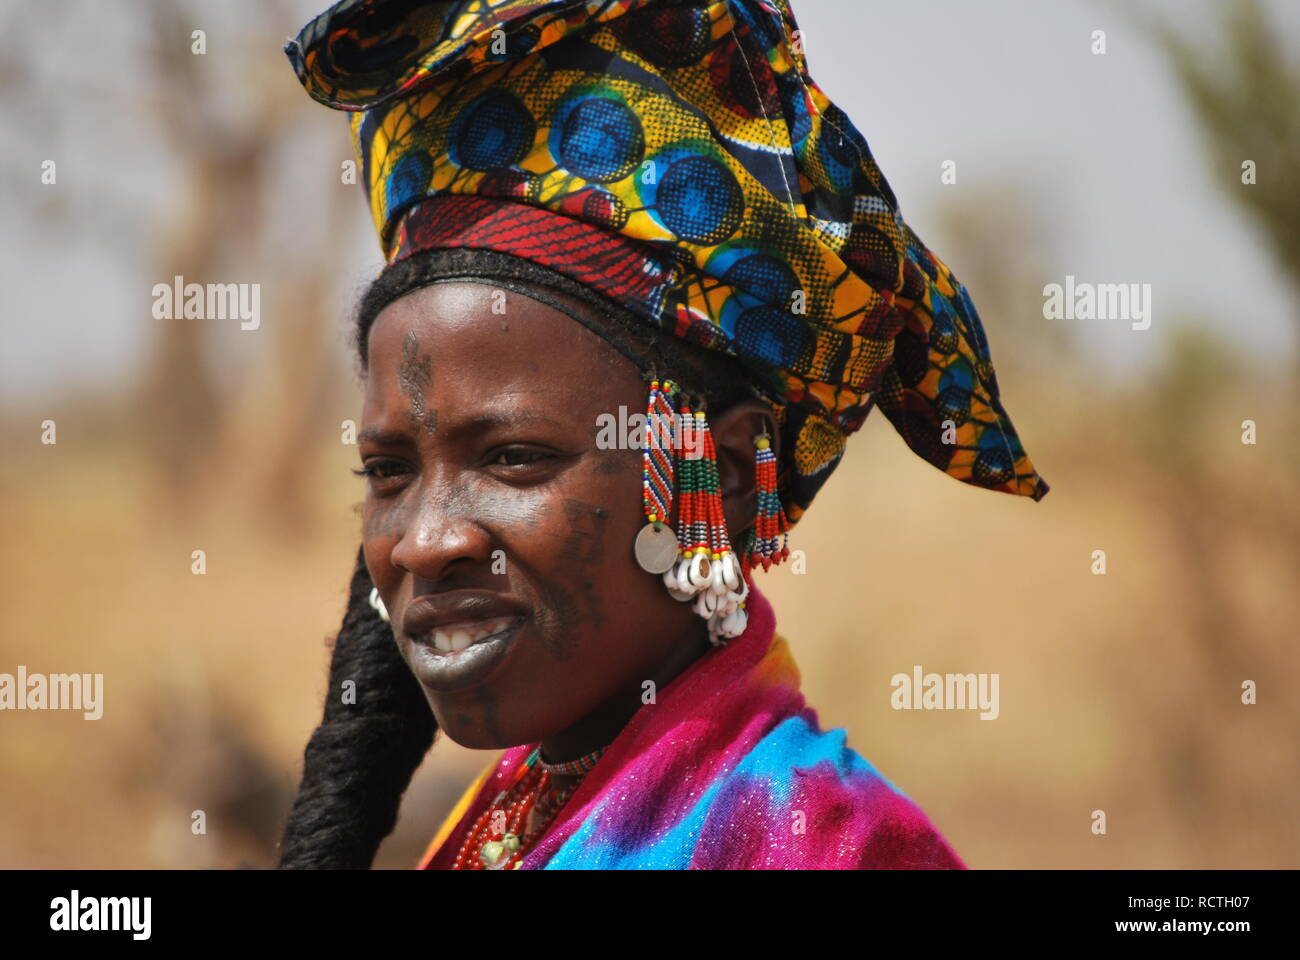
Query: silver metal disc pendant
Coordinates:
[656,548]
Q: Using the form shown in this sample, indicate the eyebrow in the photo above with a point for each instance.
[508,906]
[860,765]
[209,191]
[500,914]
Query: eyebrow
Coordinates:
[478,423]
[386,438]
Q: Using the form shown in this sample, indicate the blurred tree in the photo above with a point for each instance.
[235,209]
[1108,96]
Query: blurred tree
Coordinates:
[1244,93]
[224,118]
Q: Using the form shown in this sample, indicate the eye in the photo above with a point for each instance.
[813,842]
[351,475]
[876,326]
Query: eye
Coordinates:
[520,456]
[384,474]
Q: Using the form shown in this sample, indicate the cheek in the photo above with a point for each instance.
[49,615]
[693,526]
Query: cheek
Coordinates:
[569,560]
[571,541]
[382,525]
[580,553]
[509,513]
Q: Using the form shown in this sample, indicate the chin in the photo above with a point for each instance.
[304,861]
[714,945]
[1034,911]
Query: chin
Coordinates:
[464,723]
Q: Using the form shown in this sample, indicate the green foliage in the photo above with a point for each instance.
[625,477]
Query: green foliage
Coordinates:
[1243,91]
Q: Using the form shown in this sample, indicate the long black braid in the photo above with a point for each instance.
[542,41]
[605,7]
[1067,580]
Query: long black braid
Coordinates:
[361,758]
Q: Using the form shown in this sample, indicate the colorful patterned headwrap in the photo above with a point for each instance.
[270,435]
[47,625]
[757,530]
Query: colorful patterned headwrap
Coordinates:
[676,156]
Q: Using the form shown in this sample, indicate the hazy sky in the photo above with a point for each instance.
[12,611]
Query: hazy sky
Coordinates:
[1006,88]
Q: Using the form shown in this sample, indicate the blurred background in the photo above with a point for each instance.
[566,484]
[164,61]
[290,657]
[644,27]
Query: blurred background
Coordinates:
[1119,692]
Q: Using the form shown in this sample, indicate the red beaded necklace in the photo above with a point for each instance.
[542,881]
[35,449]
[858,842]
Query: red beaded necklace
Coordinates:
[503,848]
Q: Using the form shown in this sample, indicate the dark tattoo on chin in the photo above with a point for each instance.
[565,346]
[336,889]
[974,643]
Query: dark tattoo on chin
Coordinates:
[415,377]
[491,715]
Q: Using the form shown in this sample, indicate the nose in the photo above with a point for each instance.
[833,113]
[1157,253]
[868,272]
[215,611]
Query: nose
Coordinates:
[441,535]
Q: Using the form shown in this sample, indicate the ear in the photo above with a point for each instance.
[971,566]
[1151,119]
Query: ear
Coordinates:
[733,438]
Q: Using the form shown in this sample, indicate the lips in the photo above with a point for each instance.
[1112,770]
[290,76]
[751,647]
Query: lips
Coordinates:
[457,637]
[460,639]
[458,612]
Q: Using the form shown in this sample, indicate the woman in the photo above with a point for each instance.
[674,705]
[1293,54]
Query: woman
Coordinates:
[590,207]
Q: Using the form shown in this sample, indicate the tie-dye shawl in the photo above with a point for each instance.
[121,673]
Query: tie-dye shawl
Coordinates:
[728,769]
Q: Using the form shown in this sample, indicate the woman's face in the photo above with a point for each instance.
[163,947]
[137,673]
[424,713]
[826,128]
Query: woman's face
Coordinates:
[494,525]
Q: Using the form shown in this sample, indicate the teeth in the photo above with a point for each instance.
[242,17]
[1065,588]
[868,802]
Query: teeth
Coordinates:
[459,640]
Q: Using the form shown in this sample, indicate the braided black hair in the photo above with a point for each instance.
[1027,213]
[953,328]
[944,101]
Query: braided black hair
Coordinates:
[360,759]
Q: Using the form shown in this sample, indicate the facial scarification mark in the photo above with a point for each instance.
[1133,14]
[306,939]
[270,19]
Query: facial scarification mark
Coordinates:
[583,547]
[618,461]
[508,511]
[615,460]
[415,376]
[458,501]
[572,595]
[491,714]
[383,521]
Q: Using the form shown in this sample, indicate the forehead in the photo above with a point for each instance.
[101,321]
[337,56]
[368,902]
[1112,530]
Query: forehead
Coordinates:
[473,339]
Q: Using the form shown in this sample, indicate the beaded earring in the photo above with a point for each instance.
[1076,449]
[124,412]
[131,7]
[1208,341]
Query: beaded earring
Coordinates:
[771,523]
[707,570]
[656,543]
[680,468]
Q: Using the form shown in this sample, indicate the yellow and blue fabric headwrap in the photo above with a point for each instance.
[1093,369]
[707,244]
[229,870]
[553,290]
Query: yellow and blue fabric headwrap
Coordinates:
[677,157]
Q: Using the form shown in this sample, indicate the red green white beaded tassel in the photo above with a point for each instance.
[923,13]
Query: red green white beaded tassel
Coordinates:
[723,601]
[771,524]
[690,518]
[707,570]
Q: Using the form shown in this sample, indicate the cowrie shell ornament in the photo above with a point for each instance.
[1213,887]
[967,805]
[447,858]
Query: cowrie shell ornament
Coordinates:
[697,563]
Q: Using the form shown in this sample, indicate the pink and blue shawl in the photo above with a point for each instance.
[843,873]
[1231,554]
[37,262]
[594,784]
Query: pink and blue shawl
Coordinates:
[728,769]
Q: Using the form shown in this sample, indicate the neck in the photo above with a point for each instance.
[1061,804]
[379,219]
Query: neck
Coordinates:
[599,728]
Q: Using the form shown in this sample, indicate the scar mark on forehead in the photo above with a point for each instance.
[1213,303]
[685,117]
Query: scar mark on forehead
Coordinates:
[416,373]
[415,376]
